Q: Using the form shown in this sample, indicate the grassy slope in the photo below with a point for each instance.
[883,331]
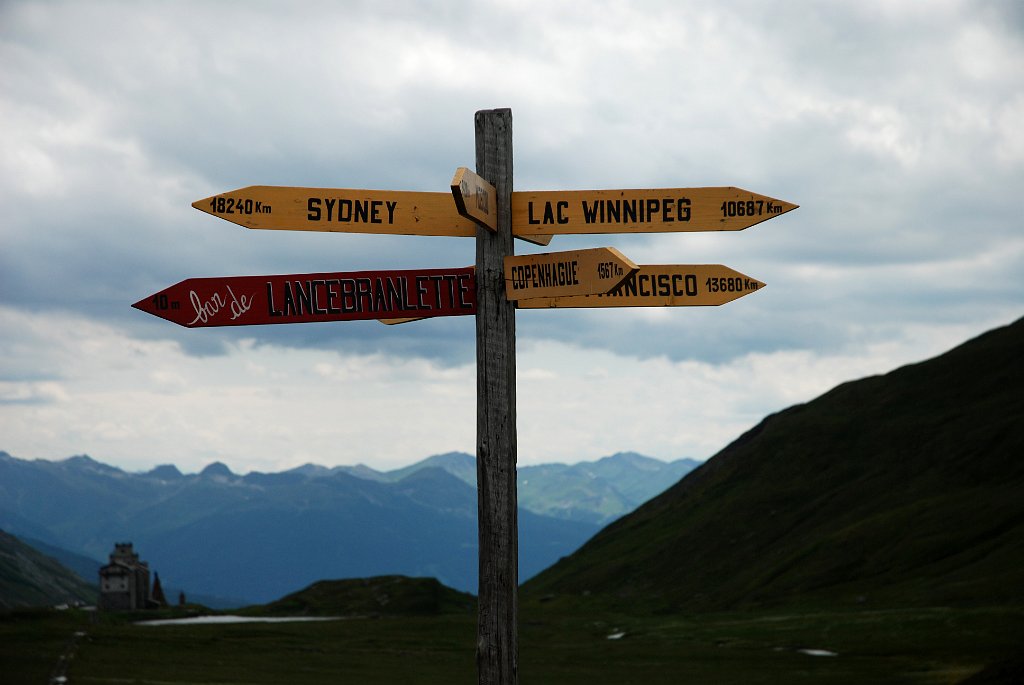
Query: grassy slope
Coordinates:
[904,489]
[30,578]
[381,595]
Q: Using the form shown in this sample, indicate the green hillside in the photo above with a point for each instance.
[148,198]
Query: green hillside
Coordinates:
[897,490]
[29,578]
[381,595]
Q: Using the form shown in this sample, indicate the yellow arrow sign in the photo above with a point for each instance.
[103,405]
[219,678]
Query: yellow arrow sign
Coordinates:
[342,210]
[407,319]
[555,274]
[475,198]
[670,285]
[641,211]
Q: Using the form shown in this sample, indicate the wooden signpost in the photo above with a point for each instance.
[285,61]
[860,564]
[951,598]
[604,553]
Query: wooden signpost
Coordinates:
[482,204]
[497,651]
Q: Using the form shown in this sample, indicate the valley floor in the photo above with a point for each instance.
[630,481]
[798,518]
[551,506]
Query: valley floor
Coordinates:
[937,645]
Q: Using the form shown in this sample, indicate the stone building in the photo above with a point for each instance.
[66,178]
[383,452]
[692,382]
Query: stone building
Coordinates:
[124,582]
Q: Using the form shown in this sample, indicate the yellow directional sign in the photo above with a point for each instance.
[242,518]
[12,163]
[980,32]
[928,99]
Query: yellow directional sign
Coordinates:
[641,211]
[670,285]
[407,319]
[576,272]
[342,210]
[475,198]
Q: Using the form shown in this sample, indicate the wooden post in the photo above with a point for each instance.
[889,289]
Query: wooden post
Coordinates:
[497,650]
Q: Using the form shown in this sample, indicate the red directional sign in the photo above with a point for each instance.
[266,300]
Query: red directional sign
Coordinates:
[302,298]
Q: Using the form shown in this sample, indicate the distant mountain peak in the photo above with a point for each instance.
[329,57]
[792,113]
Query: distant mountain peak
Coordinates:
[83,462]
[166,472]
[217,468]
[459,458]
[311,470]
[459,464]
[634,458]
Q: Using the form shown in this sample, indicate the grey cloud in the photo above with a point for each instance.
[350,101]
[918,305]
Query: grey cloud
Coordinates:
[857,113]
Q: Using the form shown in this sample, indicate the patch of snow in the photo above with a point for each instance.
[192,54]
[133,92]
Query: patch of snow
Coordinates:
[817,652]
[202,620]
[616,636]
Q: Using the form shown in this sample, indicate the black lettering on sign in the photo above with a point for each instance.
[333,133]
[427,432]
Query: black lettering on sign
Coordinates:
[683,209]
[642,281]
[396,297]
[270,301]
[552,214]
[450,279]
[663,287]
[562,206]
[231,205]
[629,287]
[289,300]
[333,288]
[379,299]
[628,212]
[317,309]
[437,290]
[407,302]
[344,210]
[421,292]
[362,212]
[364,295]
[304,297]
[463,291]
[651,210]
[349,303]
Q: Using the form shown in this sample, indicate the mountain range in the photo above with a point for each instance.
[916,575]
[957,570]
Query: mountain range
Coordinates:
[898,490]
[905,489]
[253,538]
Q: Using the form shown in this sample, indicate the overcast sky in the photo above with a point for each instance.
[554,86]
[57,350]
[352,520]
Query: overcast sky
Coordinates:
[897,126]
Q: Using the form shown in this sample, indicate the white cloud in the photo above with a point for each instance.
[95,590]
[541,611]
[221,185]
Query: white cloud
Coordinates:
[269,408]
[592,403]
